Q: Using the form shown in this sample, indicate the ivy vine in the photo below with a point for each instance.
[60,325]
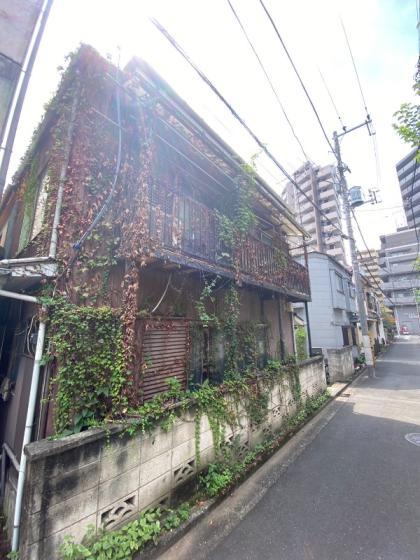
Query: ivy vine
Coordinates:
[86,343]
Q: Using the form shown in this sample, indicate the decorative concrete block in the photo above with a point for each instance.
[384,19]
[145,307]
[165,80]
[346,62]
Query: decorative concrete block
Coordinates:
[113,515]
[183,472]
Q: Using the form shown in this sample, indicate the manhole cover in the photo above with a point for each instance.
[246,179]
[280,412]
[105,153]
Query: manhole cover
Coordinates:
[413,438]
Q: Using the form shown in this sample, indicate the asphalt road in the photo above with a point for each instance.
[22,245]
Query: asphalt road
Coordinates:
[349,488]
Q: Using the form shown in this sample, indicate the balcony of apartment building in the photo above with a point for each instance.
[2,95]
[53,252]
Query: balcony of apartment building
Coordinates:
[408,188]
[397,268]
[305,206]
[406,255]
[305,185]
[333,240]
[336,251]
[307,219]
[412,201]
[328,203]
[397,300]
[401,284]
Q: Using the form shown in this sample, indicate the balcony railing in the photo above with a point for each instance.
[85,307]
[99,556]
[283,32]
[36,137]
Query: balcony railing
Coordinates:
[187,227]
[401,285]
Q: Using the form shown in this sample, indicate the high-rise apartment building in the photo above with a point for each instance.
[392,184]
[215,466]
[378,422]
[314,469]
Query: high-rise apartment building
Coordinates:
[408,171]
[369,263]
[400,278]
[321,185]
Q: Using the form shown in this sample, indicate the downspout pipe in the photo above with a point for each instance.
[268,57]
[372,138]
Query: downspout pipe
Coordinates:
[30,414]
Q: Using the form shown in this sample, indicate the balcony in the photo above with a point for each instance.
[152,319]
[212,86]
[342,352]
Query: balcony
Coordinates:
[188,234]
[401,285]
[403,300]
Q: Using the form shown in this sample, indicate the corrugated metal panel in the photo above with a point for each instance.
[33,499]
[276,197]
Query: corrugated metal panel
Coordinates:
[165,346]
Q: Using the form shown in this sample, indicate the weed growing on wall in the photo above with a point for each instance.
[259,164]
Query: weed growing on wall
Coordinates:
[130,539]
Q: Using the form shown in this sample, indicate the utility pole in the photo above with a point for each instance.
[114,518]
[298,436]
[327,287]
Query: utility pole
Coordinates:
[355,263]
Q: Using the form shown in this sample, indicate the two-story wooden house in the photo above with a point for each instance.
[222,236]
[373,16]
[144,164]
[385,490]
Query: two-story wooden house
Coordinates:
[127,199]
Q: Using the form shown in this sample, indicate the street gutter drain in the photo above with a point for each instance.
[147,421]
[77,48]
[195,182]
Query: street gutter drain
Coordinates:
[413,438]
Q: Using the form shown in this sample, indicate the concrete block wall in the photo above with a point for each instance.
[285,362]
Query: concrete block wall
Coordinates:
[105,479]
[340,363]
[312,381]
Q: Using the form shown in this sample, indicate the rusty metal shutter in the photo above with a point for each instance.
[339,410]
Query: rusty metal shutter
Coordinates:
[165,346]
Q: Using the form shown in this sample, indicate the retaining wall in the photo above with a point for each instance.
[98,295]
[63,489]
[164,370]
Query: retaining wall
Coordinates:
[105,479]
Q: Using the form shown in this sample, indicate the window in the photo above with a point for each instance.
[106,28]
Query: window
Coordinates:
[3,234]
[339,282]
[266,239]
[164,350]
[40,205]
[34,202]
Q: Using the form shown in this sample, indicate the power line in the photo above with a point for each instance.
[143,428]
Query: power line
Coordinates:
[298,75]
[268,80]
[373,134]
[377,162]
[354,66]
[331,99]
[263,147]
[366,210]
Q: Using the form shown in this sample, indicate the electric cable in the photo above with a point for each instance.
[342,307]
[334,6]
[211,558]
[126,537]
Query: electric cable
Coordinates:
[331,99]
[263,147]
[273,89]
[354,66]
[298,76]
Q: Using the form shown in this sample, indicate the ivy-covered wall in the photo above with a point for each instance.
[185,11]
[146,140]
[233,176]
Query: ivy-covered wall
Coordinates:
[116,277]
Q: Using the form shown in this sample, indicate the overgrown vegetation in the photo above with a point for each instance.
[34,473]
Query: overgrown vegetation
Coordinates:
[229,470]
[301,347]
[86,343]
[237,218]
[216,480]
[125,542]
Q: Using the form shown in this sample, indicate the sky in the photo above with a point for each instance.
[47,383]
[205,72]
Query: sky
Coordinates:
[384,42]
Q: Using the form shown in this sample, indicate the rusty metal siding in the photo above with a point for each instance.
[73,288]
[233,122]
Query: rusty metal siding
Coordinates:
[164,354]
